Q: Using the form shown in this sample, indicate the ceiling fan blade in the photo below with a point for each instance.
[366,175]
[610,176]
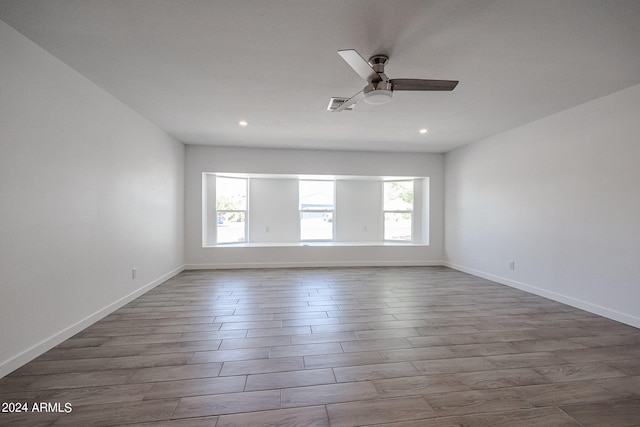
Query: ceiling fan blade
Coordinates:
[349,102]
[421,84]
[358,63]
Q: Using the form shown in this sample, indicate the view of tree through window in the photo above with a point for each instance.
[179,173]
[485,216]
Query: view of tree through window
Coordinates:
[316,209]
[398,210]
[231,209]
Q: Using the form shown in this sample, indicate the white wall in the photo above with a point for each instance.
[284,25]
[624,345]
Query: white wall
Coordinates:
[273,207]
[560,197]
[201,159]
[88,190]
[358,217]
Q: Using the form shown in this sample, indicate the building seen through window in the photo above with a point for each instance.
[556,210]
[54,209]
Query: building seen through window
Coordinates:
[316,209]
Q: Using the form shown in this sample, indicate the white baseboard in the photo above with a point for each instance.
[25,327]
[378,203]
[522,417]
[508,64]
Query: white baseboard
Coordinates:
[555,296]
[312,264]
[10,365]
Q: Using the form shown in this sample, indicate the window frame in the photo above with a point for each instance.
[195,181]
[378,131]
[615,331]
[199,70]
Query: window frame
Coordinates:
[244,211]
[332,211]
[399,211]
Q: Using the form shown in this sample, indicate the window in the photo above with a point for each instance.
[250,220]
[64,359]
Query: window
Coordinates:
[398,210]
[260,209]
[316,209]
[231,209]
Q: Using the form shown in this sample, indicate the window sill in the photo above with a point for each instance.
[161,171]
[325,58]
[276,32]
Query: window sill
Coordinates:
[315,244]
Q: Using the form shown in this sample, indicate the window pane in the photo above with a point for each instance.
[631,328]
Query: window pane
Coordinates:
[231,194]
[316,209]
[397,226]
[316,195]
[316,225]
[231,227]
[398,196]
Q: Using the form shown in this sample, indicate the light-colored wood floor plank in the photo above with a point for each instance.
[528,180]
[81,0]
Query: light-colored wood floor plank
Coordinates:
[538,417]
[315,416]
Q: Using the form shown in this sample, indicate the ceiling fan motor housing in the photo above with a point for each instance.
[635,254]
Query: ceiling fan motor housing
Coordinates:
[379,90]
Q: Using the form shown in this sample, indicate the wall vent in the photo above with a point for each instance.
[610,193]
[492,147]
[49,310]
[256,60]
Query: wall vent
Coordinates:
[336,102]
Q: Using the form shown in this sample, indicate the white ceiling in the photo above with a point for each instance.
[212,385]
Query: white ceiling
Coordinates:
[197,67]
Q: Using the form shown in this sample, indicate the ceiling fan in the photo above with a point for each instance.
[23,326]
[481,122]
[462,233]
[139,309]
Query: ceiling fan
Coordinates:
[380,88]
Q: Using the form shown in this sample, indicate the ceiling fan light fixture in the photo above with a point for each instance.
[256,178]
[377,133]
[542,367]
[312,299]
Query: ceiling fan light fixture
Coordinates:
[377,97]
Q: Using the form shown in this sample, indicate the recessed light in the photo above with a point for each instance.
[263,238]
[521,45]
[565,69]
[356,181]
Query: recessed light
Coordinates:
[242,123]
[423,131]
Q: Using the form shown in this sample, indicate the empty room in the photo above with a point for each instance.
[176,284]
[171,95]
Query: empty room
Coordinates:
[320,213]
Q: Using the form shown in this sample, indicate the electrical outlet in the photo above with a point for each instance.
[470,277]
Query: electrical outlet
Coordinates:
[512,265]
[134,273]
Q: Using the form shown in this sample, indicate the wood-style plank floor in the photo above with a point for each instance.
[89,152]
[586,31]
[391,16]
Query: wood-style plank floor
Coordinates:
[410,346]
